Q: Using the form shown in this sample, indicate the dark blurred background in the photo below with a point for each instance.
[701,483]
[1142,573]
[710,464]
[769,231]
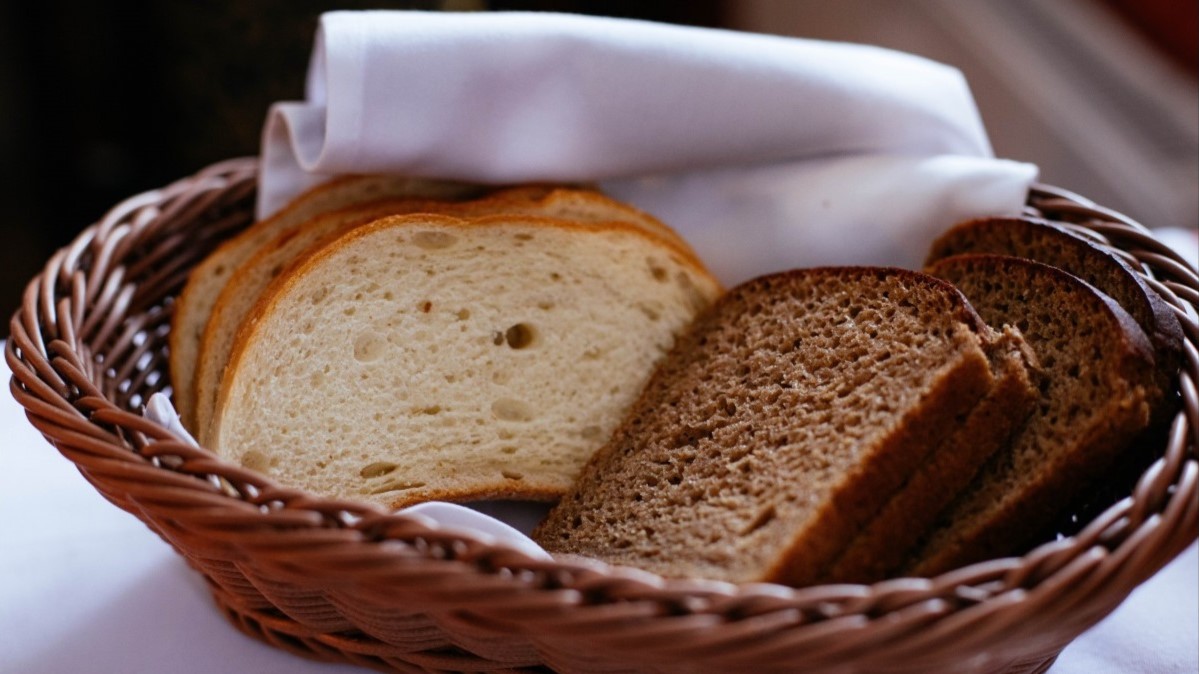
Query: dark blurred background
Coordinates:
[102,100]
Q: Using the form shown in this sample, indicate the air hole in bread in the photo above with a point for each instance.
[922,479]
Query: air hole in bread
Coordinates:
[396,486]
[255,460]
[369,347]
[520,336]
[463,314]
[512,475]
[591,432]
[658,273]
[510,409]
[431,240]
[377,469]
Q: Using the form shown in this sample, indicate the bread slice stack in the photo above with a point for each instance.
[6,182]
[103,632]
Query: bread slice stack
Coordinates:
[195,303]
[891,536]
[1109,349]
[1098,395]
[409,349]
[785,419]
[246,285]
[1052,244]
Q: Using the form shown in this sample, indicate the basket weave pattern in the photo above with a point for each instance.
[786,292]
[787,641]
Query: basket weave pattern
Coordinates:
[348,581]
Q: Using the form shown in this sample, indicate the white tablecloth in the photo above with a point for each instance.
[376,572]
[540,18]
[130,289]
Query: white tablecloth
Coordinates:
[85,587]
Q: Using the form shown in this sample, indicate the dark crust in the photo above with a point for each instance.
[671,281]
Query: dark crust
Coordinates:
[1132,335]
[1115,278]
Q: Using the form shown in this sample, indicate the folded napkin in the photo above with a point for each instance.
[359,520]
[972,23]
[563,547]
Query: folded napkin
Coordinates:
[765,152]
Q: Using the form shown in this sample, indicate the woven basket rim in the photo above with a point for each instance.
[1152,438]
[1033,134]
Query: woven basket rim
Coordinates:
[85,351]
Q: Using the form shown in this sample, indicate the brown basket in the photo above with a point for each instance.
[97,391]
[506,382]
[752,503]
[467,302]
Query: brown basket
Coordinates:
[348,581]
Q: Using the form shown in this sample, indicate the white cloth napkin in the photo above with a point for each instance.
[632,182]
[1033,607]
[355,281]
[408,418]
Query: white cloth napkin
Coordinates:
[765,152]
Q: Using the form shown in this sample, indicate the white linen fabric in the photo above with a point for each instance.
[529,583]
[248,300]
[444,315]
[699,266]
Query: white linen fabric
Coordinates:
[842,153]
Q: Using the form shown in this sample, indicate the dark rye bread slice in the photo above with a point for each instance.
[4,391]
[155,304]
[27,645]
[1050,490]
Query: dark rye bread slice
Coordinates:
[778,425]
[1054,245]
[1097,393]
[889,537]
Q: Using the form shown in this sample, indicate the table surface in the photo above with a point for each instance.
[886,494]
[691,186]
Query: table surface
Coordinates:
[86,587]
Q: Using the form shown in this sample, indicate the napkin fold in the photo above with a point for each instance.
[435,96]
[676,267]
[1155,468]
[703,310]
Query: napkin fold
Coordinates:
[726,136]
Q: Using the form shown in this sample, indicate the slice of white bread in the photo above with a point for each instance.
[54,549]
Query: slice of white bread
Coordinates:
[248,282]
[1097,395]
[194,304]
[429,357]
[779,424]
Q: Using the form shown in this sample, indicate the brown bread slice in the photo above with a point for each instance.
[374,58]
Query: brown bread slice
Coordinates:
[1097,393]
[194,304]
[888,539]
[778,425]
[1054,245]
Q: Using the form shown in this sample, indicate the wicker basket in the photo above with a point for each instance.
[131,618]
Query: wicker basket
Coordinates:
[348,581]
